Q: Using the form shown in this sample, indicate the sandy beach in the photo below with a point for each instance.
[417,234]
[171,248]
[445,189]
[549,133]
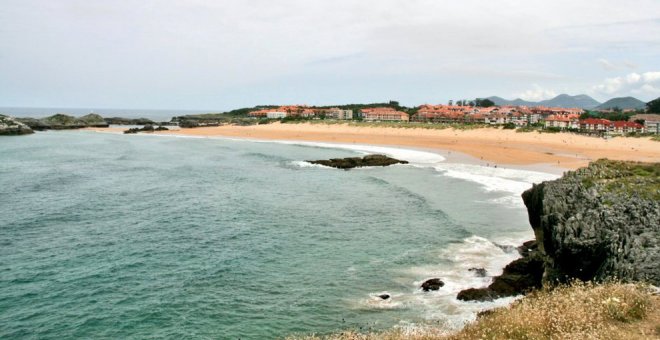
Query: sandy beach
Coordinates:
[491,145]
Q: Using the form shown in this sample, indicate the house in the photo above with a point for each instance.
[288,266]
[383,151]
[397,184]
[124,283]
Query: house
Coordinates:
[569,121]
[337,113]
[623,127]
[651,122]
[276,114]
[383,114]
[595,125]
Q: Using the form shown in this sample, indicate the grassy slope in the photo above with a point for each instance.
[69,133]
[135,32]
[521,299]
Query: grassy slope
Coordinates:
[578,311]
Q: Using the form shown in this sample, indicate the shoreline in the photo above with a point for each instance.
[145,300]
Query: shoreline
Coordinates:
[554,153]
[450,156]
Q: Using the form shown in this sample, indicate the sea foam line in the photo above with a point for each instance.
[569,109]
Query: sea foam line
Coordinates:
[506,180]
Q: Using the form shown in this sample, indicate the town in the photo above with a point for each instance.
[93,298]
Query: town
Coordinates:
[552,119]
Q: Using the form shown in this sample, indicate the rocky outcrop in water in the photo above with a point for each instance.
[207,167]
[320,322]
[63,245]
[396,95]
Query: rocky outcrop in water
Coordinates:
[11,127]
[64,122]
[432,284]
[146,128]
[598,223]
[357,162]
[129,121]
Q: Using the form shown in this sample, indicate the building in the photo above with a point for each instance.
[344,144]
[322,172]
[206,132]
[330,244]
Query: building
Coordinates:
[276,114]
[569,121]
[336,113]
[651,122]
[623,127]
[595,125]
[383,114]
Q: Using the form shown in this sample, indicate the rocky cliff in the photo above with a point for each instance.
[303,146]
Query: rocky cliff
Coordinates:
[598,223]
[10,126]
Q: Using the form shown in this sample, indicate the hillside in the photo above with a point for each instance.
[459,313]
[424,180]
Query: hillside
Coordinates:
[622,103]
[563,100]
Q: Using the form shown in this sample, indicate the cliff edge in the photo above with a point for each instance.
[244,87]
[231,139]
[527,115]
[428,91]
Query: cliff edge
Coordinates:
[600,222]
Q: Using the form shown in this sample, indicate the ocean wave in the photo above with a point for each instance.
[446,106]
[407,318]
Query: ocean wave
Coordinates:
[453,268]
[304,164]
[412,156]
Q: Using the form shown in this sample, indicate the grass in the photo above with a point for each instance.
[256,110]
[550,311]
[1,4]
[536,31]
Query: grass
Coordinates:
[656,138]
[625,178]
[575,311]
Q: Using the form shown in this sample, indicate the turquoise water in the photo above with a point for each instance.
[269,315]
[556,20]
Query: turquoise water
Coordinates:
[113,236]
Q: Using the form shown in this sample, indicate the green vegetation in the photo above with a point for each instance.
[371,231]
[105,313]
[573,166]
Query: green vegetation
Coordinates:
[483,102]
[625,178]
[656,138]
[575,311]
[653,106]
[616,115]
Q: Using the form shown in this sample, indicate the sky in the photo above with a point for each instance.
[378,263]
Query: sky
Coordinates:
[225,54]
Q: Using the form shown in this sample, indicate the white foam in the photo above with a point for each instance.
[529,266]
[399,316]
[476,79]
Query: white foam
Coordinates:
[511,182]
[303,164]
[452,268]
[412,156]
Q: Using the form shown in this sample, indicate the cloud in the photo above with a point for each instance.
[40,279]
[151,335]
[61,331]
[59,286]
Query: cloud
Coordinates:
[606,64]
[647,83]
[537,93]
[241,52]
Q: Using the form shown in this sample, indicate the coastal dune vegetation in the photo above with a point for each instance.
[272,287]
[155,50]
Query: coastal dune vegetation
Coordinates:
[578,310]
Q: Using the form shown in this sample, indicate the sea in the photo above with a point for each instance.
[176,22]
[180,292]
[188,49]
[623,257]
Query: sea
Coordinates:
[141,236]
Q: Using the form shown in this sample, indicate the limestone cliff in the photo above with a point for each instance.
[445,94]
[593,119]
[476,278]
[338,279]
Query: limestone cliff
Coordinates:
[600,222]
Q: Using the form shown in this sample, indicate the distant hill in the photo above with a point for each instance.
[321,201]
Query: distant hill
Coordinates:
[563,100]
[516,102]
[622,103]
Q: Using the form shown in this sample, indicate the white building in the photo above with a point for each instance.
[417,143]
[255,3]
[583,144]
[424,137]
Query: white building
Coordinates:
[275,114]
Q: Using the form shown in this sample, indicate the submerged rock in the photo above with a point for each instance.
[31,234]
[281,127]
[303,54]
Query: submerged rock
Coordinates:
[480,272]
[432,284]
[384,296]
[357,162]
[11,127]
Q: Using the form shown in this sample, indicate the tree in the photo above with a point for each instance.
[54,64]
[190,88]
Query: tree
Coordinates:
[653,106]
[484,102]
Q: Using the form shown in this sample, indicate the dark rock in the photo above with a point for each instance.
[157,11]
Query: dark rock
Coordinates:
[63,122]
[476,294]
[384,296]
[480,272]
[518,277]
[528,247]
[128,121]
[432,284]
[146,128]
[12,127]
[356,162]
[598,223]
